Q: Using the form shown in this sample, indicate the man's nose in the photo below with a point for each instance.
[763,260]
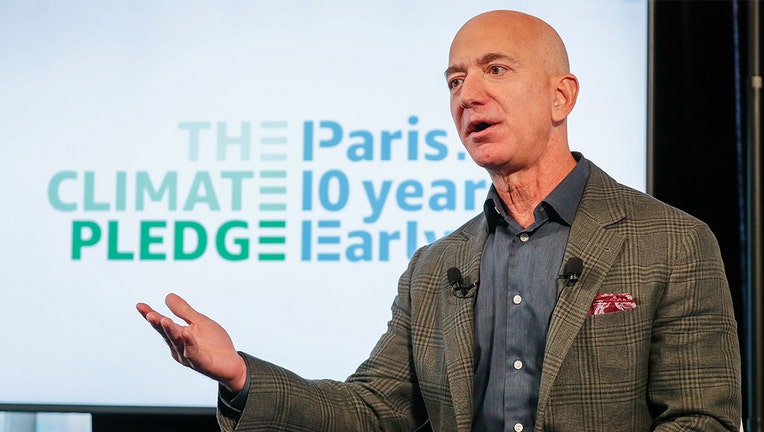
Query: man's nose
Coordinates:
[472,91]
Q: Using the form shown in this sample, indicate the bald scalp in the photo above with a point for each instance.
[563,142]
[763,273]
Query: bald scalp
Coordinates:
[534,33]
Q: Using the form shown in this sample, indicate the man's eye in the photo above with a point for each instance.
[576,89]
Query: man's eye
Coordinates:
[454,83]
[496,70]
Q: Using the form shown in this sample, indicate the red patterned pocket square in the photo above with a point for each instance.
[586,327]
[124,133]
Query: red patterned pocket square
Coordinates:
[609,303]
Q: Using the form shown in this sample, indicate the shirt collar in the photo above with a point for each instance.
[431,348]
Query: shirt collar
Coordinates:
[562,201]
[494,214]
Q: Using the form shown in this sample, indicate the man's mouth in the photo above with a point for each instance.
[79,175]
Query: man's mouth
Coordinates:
[478,127]
[482,126]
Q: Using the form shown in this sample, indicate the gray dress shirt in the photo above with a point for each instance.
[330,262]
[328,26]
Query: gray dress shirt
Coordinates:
[517,293]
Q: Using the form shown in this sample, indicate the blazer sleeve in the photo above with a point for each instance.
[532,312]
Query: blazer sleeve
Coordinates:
[382,395]
[694,363]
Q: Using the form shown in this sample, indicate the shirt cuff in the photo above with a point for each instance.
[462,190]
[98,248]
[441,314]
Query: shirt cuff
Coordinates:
[233,403]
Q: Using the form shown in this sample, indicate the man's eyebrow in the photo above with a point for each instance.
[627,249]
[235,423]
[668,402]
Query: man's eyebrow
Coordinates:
[488,58]
[482,60]
[452,69]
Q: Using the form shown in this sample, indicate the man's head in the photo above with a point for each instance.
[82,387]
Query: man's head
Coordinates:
[511,91]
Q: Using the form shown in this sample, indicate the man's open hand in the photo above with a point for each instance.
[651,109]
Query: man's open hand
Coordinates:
[202,344]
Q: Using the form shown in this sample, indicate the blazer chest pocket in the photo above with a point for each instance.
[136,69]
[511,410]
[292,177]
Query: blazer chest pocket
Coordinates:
[615,345]
[623,322]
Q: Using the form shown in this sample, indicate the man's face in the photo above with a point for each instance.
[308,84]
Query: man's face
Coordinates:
[501,94]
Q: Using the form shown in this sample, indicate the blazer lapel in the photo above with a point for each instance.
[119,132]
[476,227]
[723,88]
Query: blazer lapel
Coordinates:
[459,324]
[598,247]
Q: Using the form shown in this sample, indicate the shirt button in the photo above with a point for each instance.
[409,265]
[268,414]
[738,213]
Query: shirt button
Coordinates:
[524,238]
[517,299]
[518,365]
[518,427]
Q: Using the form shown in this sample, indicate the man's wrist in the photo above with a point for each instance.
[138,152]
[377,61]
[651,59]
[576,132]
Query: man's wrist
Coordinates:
[237,384]
[235,400]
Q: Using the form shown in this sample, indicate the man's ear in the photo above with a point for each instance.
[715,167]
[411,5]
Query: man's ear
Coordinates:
[566,92]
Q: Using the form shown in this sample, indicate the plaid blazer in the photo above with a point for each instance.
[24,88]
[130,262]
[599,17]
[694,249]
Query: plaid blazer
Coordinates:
[671,363]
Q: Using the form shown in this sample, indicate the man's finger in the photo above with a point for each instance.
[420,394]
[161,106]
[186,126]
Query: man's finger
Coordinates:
[144,309]
[153,317]
[182,309]
[173,336]
[190,347]
[171,330]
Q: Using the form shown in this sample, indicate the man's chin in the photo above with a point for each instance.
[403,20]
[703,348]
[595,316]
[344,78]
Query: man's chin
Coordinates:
[484,161]
[481,151]
[490,161]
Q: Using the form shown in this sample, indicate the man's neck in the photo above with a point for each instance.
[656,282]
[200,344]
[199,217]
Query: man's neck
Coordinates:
[521,191]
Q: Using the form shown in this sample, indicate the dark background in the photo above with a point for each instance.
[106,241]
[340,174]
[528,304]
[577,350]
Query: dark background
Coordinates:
[701,128]
[699,131]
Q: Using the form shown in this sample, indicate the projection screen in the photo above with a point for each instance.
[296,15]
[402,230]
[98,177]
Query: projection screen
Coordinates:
[275,163]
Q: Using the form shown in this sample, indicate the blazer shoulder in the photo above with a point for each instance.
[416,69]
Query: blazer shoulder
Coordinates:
[631,205]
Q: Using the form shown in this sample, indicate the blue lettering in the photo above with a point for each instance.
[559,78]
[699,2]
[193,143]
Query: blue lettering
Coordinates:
[384,243]
[363,150]
[362,250]
[387,140]
[377,203]
[341,190]
[441,149]
[469,195]
[308,137]
[407,190]
[413,144]
[307,190]
[445,200]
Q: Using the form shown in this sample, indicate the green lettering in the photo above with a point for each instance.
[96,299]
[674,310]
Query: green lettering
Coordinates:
[147,240]
[114,254]
[201,240]
[79,241]
[243,243]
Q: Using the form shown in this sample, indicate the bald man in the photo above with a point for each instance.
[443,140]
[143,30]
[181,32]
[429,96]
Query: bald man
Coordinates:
[598,308]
